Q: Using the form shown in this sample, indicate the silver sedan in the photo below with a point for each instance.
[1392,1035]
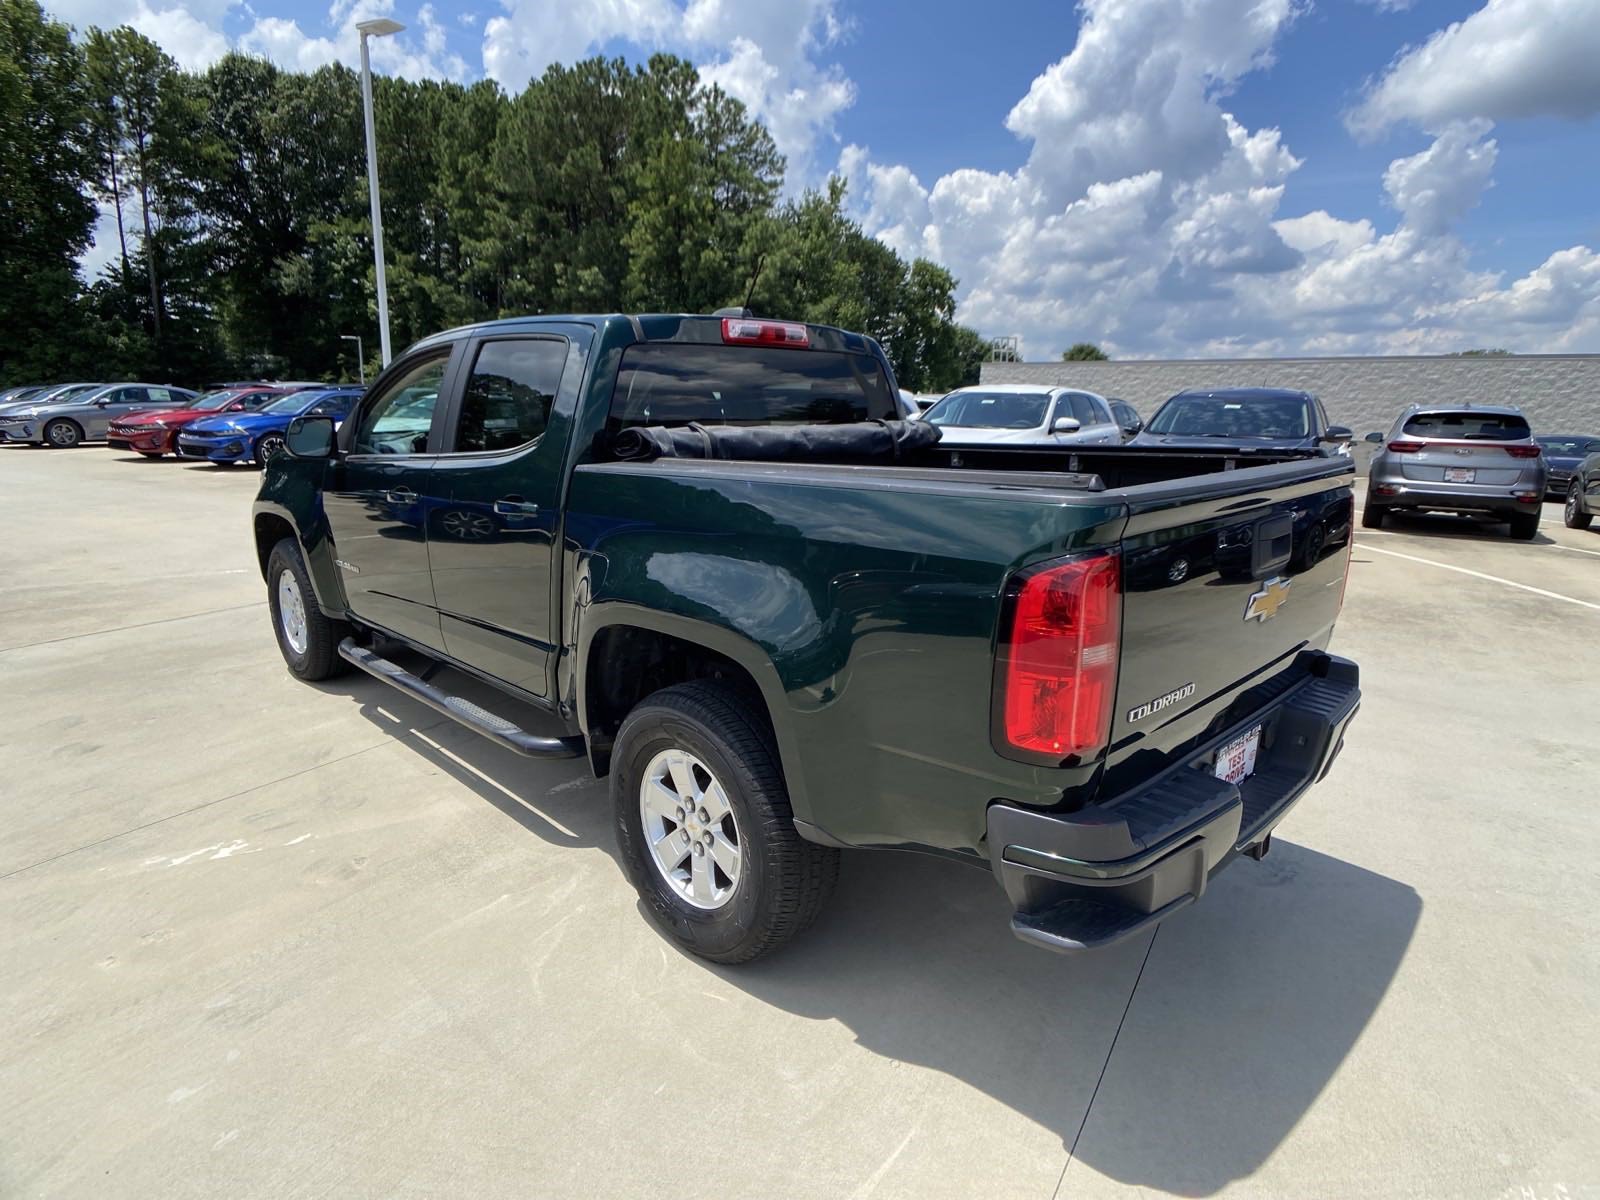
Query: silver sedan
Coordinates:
[66,422]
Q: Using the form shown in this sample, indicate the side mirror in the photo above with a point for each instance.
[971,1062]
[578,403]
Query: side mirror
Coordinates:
[309,437]
[102,402]
[1132,427]
[1374,438]
[236,406]
[1066,425]
[1338,433]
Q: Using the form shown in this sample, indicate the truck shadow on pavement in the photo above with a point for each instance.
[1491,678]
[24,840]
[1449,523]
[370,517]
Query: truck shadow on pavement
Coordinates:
[1225,1030]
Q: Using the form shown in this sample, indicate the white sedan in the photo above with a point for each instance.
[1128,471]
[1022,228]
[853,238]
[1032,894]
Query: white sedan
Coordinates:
[1023,414]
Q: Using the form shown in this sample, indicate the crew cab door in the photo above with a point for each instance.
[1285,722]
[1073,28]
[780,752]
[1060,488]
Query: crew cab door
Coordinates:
[493,535]
[379,491]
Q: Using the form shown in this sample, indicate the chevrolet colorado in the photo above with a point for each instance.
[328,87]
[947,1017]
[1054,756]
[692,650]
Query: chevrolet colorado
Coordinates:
[784,623]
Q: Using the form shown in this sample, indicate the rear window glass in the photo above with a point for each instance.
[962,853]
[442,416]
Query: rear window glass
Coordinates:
[1228,416]
[1570,445]
[676,383]
[1468,426]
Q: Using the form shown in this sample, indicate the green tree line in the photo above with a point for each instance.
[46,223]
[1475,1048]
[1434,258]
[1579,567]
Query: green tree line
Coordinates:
[243,243]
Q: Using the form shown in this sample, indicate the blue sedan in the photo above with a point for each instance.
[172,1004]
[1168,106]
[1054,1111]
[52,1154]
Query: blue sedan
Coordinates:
[257,436]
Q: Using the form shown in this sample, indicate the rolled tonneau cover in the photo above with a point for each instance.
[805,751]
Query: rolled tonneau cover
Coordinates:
[865,441]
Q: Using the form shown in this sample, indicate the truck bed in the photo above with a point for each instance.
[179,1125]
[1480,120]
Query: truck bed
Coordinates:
[875,592]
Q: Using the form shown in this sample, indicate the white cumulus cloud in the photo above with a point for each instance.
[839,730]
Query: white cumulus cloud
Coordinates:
[1510,59]
[1146,217]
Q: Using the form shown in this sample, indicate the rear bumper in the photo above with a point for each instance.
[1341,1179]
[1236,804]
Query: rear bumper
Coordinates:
[1087,879]
[1519,498]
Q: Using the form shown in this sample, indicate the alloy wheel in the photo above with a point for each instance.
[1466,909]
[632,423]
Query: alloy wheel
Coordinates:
[292,612]
[690,829]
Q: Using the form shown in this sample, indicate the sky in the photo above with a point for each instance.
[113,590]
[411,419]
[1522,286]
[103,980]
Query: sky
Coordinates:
[1167,178]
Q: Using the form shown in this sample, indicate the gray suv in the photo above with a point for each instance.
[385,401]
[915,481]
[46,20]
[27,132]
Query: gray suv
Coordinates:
[84,418]
[1472,459]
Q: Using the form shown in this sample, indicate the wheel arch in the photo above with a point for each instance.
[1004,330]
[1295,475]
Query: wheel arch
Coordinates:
[626,652]
[270,525]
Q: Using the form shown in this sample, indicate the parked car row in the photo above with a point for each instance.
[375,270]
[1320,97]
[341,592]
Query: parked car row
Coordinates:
[234,422]
[1255,418]
[1475,460]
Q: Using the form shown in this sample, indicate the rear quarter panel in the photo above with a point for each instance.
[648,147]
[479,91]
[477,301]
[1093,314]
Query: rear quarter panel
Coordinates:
[866,611]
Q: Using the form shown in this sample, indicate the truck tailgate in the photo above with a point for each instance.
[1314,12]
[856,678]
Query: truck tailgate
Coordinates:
[1223,589]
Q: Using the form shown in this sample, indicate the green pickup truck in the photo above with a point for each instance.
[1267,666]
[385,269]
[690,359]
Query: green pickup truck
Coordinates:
[785,623]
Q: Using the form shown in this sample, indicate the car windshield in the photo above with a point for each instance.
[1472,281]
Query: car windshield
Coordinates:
[990,410]
[1234,417]
[1570,446]
[71,392]
[212,401]
[1467,426]
[293,403]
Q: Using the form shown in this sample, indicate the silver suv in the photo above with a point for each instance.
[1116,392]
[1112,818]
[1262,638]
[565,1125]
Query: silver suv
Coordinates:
[1478,460]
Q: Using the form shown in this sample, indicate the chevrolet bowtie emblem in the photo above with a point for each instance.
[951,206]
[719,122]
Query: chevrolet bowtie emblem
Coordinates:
[1264,605]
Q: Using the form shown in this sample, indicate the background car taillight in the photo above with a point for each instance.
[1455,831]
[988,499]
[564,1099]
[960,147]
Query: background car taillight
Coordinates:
[1523,451]
[745,331]
[1406,447]
[1056,666]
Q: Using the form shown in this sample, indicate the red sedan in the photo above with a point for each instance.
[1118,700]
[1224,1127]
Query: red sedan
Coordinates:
[154,432]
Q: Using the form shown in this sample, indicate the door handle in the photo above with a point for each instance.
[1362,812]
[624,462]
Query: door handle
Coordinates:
[515,506]
[400,496]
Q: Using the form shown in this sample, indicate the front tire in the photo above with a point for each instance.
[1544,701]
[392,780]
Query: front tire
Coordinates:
[63,434]
[268,445]
[705,830]
[307,638]
[1372,516]
[1524,526]
[1573,516]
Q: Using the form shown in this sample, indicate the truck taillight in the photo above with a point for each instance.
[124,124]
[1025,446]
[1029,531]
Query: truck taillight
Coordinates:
[1057,657]
[1406,447]
[743,331]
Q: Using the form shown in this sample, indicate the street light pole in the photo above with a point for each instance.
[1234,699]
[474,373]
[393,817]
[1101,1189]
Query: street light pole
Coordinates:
[361,357]
[381,27]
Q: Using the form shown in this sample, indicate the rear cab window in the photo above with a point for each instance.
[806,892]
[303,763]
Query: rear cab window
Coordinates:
[1468,426]
[678,383]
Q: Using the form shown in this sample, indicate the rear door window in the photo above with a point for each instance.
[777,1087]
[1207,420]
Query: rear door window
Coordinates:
[667,383]
[1468,426]
[509,394]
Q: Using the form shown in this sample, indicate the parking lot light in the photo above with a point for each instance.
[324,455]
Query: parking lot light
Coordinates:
[378,27]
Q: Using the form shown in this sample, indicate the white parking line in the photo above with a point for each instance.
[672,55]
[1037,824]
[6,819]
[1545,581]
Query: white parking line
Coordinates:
[1573,549]
[1511,583]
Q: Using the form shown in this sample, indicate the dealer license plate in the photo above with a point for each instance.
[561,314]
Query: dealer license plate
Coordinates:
[1236,761]
[1459,474]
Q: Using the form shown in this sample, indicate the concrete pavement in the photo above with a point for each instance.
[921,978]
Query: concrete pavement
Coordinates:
[264,939]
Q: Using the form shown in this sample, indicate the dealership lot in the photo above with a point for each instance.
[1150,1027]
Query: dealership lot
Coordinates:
[265,939]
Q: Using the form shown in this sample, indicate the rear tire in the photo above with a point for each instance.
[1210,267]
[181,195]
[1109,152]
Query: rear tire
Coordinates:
[1573,516]
[1524,526]
[781,881]
[307,638]
[1372,516]
[63,434]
